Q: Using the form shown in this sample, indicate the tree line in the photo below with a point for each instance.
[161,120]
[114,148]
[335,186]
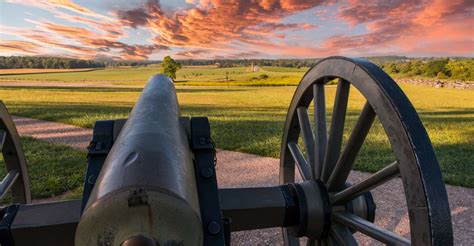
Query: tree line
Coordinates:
[46,62]
[248,62]
[440,68]
[459,68]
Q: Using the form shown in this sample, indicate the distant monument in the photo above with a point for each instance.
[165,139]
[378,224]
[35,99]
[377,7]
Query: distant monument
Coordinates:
[254,68]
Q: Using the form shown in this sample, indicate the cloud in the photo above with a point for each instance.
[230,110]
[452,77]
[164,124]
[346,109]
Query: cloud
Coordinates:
[69,5]
[100,35]
[134,18]
[99,42]
[248,29]
[54,5]
[205,54]
[191,53]
[77,42]
[217,22]
[438,27]
[243,55]
[112,29]
[102,23]
[20,47]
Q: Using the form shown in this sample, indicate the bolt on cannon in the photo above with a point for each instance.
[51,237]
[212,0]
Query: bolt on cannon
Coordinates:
[151,179]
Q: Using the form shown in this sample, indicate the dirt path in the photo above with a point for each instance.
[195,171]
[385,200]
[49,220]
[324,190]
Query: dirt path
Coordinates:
[244,170]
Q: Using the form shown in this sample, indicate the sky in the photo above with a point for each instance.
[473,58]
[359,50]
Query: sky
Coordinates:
[219,29]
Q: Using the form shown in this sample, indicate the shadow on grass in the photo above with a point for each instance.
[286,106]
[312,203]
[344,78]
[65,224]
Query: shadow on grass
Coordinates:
[201,89]
[258,130]
[83,115]
[55,72]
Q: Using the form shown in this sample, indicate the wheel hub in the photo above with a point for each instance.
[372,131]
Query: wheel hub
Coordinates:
[363,206]
[315,209]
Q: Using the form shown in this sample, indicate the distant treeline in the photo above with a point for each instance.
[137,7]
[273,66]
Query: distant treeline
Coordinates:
[222,63]
[296,63]
[46,62]
[248,62]
[459,68]
[440,68]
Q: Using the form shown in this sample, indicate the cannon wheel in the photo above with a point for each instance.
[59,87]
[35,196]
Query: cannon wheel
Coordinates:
[324,163]
[16,179]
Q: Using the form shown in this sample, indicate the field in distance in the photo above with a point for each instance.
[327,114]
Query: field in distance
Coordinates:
[137,76]
[250,119]
[29,71]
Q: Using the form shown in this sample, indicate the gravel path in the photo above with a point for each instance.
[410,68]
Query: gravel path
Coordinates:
[54,132]
[244,170]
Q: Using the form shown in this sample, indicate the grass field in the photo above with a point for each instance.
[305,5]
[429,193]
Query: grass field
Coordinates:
[210,76]
[30,71]
[250,119]
[52,174]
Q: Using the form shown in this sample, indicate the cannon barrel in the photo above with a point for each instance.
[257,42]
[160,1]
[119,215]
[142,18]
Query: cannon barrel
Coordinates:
[146,192]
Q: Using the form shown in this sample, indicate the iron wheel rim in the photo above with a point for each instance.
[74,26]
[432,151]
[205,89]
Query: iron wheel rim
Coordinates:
[16,179]
[409,142]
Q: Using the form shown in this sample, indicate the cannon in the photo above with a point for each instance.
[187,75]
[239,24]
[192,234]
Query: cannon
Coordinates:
[151,178]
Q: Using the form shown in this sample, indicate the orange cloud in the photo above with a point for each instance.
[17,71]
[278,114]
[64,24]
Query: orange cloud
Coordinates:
[53,5]
[44,39]
[233,28]
[78,41]
[217,22]
[112,29]
[20,47]
[437,27]
[191,53]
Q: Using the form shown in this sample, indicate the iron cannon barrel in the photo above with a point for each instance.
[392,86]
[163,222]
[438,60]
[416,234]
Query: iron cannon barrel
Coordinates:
[147,186]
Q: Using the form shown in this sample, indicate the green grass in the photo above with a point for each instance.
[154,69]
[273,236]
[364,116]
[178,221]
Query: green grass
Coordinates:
[127,76]
[53,169]
[286,69]
[250,119]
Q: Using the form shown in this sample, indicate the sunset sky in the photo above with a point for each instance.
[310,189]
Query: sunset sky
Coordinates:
[209,29]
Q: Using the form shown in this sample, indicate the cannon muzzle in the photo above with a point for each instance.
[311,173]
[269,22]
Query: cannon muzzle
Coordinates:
[146,188]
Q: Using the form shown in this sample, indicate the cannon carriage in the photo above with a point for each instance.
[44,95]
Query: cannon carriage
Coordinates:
[151,179]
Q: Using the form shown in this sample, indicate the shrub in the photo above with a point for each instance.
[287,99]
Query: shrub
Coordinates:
[263,76]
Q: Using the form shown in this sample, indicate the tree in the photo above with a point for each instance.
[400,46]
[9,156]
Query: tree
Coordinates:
[461,69]
[169,67]
[435,67]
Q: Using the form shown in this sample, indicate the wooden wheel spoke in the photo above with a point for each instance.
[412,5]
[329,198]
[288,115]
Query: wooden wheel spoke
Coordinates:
[289,240]
[320,127]
[8,182]
[343,166]
[342,235]
[3,137]
[303,167]
[357,223]
[322,242]
[308,138]
[335,153]
[376,179]
[337,128]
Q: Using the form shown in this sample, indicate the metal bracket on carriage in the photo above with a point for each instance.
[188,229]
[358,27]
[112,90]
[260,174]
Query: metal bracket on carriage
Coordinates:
[206,182]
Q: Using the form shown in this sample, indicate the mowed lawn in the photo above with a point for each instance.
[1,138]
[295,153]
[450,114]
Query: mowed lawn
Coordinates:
[30,71]
[250,119]
[130,76]
[53,169]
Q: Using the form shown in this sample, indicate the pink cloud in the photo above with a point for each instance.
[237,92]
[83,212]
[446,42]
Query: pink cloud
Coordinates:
[228,28]
[217,22]
[408,27]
